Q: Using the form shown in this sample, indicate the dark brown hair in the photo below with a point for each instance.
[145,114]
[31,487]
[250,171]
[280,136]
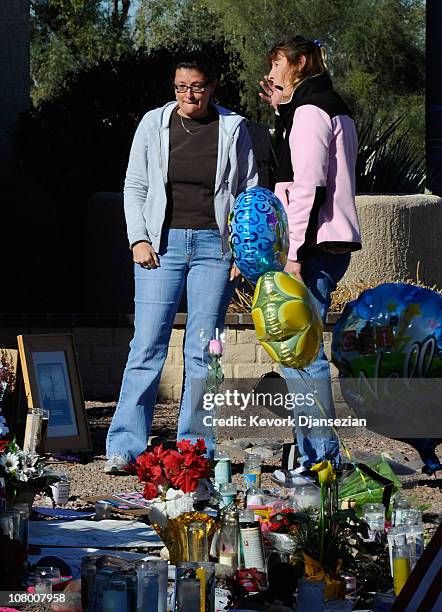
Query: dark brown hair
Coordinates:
[293,48]
[197,60]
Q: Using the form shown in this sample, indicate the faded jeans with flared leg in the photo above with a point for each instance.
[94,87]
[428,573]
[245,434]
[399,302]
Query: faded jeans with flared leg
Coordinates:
[191,261]
[321,273]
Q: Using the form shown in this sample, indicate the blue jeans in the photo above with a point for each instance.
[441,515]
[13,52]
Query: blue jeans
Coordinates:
[191,261]
[321,273]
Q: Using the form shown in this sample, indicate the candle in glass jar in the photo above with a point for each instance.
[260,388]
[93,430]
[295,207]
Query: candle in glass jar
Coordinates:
[197,542]
[188,595]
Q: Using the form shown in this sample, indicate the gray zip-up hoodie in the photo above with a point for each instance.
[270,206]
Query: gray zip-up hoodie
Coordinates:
[146,177]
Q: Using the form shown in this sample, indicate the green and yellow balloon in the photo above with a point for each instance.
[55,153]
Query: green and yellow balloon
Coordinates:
[286,319]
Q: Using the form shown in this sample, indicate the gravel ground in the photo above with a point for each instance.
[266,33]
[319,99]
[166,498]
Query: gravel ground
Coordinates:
[88,478]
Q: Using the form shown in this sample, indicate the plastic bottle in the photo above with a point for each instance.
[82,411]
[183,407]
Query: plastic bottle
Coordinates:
[252,471]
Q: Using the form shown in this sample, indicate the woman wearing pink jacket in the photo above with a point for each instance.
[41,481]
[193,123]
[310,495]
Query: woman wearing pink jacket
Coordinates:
[317,149]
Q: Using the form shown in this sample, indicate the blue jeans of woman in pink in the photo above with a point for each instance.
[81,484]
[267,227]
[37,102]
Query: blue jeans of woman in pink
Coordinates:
[191,261]
[321,273]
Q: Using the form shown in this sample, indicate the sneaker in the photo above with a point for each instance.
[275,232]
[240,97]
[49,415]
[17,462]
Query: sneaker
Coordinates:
[116,465]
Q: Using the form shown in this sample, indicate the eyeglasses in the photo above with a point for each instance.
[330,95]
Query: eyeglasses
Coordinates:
[193,88]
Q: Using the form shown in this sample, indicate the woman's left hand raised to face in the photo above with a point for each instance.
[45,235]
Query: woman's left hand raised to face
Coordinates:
[272,93]
[234,272]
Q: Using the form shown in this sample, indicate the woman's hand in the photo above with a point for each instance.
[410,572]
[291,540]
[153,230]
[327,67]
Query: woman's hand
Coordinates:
[293,267]
[144,255]
[272,93]
[234,272]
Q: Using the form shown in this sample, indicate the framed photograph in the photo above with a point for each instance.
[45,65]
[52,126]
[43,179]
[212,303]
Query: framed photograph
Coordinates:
[52,382]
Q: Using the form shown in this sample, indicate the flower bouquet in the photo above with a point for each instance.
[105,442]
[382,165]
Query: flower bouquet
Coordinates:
[24,473]
[174,480]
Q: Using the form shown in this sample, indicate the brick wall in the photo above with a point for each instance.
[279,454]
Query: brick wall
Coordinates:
[102,350]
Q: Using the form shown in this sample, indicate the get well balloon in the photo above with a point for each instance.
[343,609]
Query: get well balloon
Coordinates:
[258,233]
[387,346]
[393,329]
[286,320]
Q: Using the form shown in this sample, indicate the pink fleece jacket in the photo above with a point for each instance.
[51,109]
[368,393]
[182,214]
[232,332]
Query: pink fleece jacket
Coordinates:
[323,154]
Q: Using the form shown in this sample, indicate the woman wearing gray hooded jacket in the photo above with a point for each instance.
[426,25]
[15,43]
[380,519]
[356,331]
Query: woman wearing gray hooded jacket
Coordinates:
[189,160]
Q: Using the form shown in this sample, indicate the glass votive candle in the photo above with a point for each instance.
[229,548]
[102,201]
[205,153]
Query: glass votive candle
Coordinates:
[228,492]
[187,598]
[6,526]
[308,496]
[205,573]
[374,515]
[41,447]
[197,542]
[16,522]
[350,583]
[61,489]
[23,509]
[150,595]
[43,586]
[103,510]
[411,516]
[161,568]
[50,573]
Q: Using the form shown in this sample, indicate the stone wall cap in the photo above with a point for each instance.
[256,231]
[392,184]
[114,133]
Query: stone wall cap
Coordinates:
[97,319]
[401,199]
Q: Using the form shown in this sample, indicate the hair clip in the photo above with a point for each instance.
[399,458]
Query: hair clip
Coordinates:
[317,42]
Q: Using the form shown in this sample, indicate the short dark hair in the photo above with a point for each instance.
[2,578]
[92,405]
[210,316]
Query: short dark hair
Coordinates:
[197,60]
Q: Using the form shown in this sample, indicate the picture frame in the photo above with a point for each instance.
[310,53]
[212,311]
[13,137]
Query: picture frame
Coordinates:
[52,382]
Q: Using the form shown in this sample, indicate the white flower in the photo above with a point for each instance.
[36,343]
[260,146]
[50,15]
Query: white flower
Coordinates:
[10,462]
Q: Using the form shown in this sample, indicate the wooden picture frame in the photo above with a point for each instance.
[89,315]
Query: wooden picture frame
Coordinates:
[52,382]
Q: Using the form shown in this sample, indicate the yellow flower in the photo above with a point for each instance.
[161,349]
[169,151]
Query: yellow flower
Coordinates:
[326,475]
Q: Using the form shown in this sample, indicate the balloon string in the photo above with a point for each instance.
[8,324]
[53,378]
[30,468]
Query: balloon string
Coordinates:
[333,427]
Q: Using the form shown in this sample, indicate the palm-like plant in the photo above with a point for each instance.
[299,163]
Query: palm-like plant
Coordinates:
[386,160]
